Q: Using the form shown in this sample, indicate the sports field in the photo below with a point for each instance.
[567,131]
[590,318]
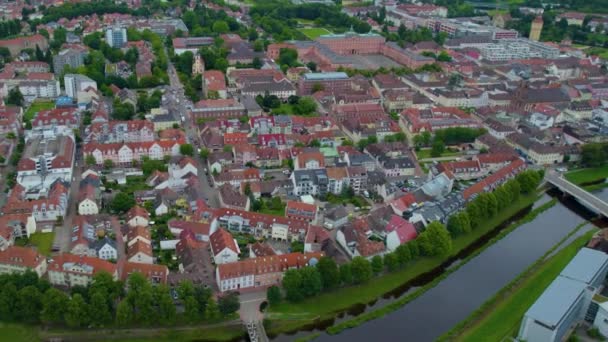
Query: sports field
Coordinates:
[314,32]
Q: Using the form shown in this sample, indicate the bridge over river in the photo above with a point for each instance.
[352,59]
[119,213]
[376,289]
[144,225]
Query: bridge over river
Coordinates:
[586,198]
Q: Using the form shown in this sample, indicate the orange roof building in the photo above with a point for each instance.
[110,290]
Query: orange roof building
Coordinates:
[261,272]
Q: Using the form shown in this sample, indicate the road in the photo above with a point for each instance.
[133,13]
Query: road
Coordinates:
[250,306]
[63,233]
[178,103]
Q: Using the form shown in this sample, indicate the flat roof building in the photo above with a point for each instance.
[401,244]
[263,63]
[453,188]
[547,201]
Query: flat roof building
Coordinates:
[569,299]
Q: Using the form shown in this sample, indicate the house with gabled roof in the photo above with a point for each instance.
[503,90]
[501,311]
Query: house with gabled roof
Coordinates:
[224,247]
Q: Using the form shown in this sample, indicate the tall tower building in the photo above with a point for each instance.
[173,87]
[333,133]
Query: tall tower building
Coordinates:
[536,28]
[198,66]
[116,37]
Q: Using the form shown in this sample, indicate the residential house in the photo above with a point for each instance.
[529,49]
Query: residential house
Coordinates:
[309,182]
[140,252]
[16,259]
[335,217]
[355,240]
[231,198]
[261,272]
[309,160]
[105,249]
[301,211]
[200,230]
[88,203]
[399,231]
[138,216]
[156,274]
[224,247]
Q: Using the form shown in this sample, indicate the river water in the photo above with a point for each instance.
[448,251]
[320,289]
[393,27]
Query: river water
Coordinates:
[462,292]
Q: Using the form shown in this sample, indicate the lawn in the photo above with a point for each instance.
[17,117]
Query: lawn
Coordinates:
[36,107]
[505,314]
[587,175]
[290,316]
[314,32]
[426,153]
[16,332]
[218,333]
[601,52]
[43,242]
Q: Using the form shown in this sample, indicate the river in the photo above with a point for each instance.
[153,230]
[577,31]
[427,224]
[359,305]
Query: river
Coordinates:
[462,292]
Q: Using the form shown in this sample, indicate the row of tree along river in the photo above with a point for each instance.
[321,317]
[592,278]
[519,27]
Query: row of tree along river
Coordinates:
[462,292]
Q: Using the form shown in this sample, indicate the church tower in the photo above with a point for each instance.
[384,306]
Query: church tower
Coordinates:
[536,28]
[198,67]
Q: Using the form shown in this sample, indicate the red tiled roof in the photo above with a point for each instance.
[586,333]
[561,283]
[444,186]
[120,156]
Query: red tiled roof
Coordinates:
[139,247]
[97,264]
[21,257]
[148,270]
[405,230]
[221,240]
[137,211]
[263,265]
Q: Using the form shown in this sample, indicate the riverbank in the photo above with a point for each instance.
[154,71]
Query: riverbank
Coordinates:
[500,316]
[222,332]
[587,176]
[403,301]
[321,310]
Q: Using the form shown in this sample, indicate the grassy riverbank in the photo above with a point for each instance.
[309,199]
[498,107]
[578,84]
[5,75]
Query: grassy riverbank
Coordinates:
[291,316]
[589,175]
[219,332]
[501,315]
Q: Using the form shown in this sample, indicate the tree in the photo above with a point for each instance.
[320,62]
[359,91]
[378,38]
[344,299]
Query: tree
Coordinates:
[273,294]
[292,283]
[475,215]
[9,310]
[305,106]
[391,262]
[76,313]
[14,97]
[438,148]
[220,27]
[256,63]
[439,239]
[594,154]
[229,303]
[361,270]
[317,87]
[288,58]
[54,305]
[122,202]
[404,254]
[108,164]
[329,272]
[204,153]
[191,309]
[124,313]
[211,311]
[90,160]
[444,57]
[377,264]
[99,311]
[311,281]
[186,150]
[29,304]
[454,225]
[346,274]
[166,308]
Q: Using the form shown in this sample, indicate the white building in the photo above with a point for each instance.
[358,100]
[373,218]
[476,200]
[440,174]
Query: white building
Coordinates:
[224,247]
[75,83]
[116,37]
